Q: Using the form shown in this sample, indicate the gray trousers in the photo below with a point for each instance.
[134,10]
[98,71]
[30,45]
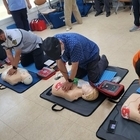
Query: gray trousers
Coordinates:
[136,9]
[98,7]
[2,53]
[94,69]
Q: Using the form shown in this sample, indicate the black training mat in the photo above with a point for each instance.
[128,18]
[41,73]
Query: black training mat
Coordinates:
[81,106]
[126,129]
[20,87]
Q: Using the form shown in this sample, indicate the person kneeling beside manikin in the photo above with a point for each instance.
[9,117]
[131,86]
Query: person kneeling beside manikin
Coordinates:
[22,75]
[86,91]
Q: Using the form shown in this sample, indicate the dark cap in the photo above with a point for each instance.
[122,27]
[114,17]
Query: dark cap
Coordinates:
[52,48]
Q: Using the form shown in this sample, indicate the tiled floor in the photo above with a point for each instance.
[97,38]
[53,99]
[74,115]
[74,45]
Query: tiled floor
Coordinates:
[28,117]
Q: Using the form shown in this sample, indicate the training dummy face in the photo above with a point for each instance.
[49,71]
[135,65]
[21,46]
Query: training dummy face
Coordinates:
[21,75]
[86,92]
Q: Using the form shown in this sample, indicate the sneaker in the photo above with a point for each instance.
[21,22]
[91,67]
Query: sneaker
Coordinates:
[134,28]
[108,14]
[68,28]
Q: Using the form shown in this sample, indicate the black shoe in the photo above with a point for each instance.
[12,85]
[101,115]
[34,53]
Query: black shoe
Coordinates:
[104,58]
[108,14]
[98,13]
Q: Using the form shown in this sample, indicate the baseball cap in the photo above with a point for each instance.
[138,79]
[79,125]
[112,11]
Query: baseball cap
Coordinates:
[52,48]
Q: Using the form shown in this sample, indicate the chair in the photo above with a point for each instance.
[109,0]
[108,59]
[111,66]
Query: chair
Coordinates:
[89,1]
[45,12]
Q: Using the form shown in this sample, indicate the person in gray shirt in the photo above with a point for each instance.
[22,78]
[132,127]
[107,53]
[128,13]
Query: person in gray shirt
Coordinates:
[27,47]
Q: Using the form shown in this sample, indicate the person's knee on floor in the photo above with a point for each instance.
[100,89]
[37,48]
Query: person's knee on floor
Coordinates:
[26,63]
[103,64]
[95,75]
[39,67]
[24,44]
[73,47]
[39,58]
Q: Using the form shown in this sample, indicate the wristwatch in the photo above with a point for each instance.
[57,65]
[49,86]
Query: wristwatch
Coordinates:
[15,68]
[69,80]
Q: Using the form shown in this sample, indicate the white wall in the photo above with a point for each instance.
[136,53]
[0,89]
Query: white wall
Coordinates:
[31,15]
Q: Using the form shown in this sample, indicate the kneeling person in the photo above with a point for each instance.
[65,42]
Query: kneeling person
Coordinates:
[81,52]
[27,47]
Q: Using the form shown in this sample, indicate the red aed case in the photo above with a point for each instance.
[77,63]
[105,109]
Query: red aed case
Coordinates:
[38,25]
[46,73]
[111,89]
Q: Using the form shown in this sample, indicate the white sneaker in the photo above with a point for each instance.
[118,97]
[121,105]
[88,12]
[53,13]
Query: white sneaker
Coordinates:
[68,28]
[134,28]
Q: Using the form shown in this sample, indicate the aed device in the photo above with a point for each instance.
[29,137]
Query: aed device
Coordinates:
[111,89]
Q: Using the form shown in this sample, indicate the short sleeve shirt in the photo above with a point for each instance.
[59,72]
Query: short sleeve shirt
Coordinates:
[21,39]
[78,48]
[15,5]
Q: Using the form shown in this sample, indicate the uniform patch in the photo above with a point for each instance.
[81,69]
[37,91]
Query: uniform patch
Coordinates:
[14,42]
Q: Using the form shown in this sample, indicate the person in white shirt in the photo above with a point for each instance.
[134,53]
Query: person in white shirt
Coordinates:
[27,47]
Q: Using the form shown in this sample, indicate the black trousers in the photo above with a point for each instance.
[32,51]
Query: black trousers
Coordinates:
[98,7]
[36,56]
[21,19]
[94,70]
[136,9]
[2,53]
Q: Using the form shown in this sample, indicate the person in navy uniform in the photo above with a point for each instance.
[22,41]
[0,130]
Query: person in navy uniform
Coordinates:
[80,51]
[27,47]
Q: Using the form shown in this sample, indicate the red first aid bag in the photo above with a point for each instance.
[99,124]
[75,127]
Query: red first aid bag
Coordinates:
[41,25]
[110,89]
[32,26]
[38,25]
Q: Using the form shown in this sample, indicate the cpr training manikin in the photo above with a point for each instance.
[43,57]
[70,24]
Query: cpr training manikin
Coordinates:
[21,76]
[85,91]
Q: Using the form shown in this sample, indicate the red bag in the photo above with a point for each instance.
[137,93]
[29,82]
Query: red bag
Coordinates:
[32,26]
[111,90]
[46,73]
[41,25]
[38,25]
